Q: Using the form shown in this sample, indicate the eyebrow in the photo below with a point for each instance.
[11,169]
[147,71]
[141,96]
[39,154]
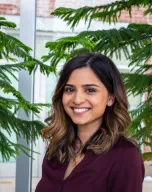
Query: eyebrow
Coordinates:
[85,85]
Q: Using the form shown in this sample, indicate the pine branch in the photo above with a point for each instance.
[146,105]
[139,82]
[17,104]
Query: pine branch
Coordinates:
[29,129]
[112,12]
[143,134]
[148,11]
[144,68]
[6,148]
[15,105]
[7,24]
[12,49]
[14,46]
[147,156]
[107,13]
[10,149]
[124,41]
[70,43]
[109,42]
[13,67]
[10,69]
[76,52]
[9,103]
[142,54]
[137,83]
[33,65]
[148,143]
[22,103]
[5,76]
[142,114]
[59,50]
[3,18]
[55,58]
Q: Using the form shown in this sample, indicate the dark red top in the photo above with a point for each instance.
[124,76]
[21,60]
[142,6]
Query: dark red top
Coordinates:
[119,170]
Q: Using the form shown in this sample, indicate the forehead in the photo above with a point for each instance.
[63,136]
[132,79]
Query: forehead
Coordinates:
[83,76]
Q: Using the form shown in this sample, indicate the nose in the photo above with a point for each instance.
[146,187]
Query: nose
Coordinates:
[79,98]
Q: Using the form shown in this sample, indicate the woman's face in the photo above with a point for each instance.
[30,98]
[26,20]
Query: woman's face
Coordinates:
[85,97]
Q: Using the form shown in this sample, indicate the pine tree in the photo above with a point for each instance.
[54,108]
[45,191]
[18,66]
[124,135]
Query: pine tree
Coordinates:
[11,49]
[134,42]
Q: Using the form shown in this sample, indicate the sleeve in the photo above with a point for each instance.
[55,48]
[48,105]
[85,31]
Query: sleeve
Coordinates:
[127,173]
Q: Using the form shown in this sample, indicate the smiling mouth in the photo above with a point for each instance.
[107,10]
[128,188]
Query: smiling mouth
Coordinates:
[80,110]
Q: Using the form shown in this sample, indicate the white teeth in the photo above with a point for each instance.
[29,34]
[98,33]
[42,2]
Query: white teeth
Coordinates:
[80,110]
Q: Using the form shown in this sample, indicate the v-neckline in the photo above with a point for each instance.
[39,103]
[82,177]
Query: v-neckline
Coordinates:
[74,169]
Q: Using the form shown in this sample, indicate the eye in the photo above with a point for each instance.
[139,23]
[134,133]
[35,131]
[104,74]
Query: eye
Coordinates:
[68,89]
[90,90]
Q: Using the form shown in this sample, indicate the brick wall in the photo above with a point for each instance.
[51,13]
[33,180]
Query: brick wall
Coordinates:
[44,7]
[80,3]
[137,16]
[10,7]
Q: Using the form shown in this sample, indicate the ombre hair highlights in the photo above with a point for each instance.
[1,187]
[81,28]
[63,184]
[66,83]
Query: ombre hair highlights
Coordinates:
[61,132]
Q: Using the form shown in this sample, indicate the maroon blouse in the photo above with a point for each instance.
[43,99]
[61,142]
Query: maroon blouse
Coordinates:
[121,169]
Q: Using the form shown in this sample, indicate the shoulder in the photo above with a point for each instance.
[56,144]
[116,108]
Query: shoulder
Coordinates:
[124,146]
[127,170]
[126,154]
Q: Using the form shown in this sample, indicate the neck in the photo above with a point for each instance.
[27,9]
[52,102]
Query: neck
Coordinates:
[86,131]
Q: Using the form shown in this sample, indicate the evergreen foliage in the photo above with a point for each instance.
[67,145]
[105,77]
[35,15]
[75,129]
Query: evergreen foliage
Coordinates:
[109,13]
[10,50]
[134,42]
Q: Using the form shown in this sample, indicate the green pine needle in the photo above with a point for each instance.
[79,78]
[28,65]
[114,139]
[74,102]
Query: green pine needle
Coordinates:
[108,13]
[11,49]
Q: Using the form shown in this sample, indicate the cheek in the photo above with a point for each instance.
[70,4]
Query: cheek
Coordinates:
[100,104]
[65,101]
[99,107]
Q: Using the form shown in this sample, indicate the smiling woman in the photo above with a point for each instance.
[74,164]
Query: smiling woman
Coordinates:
[84,100]
[87,147]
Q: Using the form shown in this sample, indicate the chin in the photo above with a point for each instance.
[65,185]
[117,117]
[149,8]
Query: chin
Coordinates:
[79,122]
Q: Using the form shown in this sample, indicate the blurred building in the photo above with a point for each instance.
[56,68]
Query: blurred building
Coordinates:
[50,28]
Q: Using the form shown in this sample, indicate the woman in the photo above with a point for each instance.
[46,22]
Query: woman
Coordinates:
[87,148]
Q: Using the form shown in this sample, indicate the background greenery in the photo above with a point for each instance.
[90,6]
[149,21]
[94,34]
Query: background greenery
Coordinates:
[11,49]
[134,42]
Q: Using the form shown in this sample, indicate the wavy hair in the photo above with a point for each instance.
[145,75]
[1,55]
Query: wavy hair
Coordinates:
[61,132]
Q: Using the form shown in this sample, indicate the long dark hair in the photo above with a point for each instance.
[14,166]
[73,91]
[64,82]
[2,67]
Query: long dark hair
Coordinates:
[61,133]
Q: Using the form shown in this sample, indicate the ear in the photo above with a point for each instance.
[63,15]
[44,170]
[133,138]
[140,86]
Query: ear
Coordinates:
[111,99]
